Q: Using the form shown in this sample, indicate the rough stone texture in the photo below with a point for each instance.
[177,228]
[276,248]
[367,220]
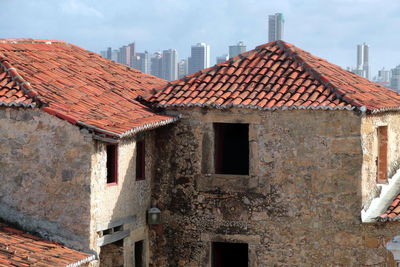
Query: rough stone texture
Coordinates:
[54,181]
[370,148]
[112,255]
[128,198]
[300,205]
[45,174]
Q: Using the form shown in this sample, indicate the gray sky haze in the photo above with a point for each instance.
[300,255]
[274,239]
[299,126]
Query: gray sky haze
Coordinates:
[330,29]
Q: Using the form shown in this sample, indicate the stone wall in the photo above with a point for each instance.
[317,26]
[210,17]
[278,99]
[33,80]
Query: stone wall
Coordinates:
[45,174]
[300,205]
[370,147]
[128,200]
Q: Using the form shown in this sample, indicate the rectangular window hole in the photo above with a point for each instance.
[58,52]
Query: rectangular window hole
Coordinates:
[231,151]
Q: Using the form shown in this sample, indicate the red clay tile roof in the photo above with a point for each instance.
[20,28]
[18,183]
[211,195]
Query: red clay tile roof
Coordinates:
[76,85]
[22,249]
[277,75]
[393,212]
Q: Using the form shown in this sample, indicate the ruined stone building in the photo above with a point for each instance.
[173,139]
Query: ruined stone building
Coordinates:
[273,158]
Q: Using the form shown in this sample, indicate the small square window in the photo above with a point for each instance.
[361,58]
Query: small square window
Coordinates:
[231,148]
[112,163]
[140,160]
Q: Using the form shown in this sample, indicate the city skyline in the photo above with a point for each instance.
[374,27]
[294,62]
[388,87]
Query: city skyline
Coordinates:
[327,29]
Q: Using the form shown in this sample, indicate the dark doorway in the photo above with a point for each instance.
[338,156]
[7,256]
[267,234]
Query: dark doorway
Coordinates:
[139,262]
[230,254]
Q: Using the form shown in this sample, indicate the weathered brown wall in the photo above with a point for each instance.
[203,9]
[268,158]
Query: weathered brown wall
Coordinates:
[45,175]
[300,205]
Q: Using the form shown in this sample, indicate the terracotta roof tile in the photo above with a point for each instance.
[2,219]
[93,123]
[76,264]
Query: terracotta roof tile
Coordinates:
[70,82]
[18,248]
[393,211]
[289,78]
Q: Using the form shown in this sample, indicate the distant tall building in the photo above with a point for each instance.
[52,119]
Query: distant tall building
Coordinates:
[383,77]
[235,50]
[275,27]
[132,51]
[141,61]
[199,58]
[395,79]
[170,65]
[182,68]
[363,59]
[115,55]
[109,53]
[125,55]
[222,58]
[156,65]
[362,67]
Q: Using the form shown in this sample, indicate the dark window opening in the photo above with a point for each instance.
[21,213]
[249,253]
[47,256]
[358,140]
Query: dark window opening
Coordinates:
[231,148]
[112,163]
[140,160]
[230,254]
[139,254]
[382,167]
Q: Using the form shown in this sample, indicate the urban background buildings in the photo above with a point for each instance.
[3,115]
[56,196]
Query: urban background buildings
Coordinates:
[167,65]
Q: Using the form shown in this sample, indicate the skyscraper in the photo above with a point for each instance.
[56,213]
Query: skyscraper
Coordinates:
[115,55]
[362,67]
[170,64]
[199,58]
[140,61]
[384,77]
[182,68]
[124,55]
[275,27]
[156,64]
[362,60]
[222,58]
[235,50]
[395,79]
[109,53]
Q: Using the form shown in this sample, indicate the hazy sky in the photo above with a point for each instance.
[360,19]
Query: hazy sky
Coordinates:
[327,28]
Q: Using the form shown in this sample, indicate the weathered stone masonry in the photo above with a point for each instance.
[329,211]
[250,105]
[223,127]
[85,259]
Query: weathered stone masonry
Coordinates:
[300,205]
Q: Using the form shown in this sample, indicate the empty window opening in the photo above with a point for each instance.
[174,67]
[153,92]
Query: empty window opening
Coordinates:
[112,163]
[230,254]
[140,160]
[112,255]
[139,254]
[382,167]
[231,148]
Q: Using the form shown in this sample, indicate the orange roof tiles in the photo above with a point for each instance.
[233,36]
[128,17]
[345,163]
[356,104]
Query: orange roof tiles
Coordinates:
[392,213]
[277,75]
[22,249]
[76,85]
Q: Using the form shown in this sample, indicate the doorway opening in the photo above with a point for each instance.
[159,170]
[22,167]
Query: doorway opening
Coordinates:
[139,254]
[112,255]
[230,254]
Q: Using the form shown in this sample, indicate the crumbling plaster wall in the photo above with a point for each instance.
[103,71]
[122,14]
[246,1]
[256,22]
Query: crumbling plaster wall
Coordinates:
[300,205]
[369,128]
[45,174]
[128,198]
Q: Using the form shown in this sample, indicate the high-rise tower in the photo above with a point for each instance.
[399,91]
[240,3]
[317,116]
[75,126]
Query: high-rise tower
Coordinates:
[199,58]
[275,27]
[362,60]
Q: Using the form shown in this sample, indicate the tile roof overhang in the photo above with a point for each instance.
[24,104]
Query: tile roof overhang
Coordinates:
[18,248]
[78,86]
[277,75]
[392,213]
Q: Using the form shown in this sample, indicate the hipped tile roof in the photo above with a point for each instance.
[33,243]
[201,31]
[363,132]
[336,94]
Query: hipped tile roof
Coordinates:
[76,85]
[276,75]
[22,249]
[393,212]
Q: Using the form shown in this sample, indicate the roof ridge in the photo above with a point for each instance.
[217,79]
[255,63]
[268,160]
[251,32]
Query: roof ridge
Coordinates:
[288,49]
[31,41]
[23,84]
